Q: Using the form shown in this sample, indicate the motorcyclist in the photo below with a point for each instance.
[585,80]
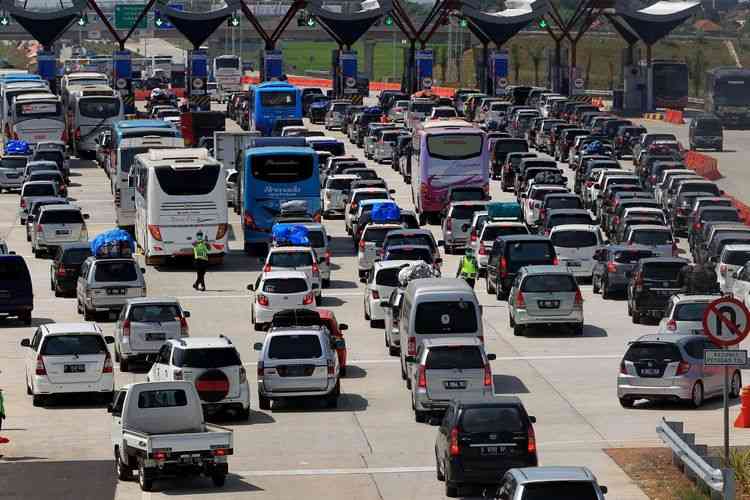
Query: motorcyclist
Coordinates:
[467,267]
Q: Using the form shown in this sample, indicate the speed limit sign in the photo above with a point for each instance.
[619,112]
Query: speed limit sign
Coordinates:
[726,321]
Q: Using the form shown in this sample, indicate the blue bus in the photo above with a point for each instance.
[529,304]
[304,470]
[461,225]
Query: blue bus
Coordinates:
[129,129]
[270,176]
[273,100]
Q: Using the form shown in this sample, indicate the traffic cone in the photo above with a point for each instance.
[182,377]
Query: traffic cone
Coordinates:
[743,419]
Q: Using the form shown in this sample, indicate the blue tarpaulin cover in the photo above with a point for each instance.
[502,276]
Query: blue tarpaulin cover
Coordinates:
[504,210]
[292,234]
[17,148]
[385,212]
[113,243]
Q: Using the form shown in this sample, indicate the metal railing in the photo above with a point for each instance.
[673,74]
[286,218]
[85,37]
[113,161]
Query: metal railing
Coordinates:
[694,461]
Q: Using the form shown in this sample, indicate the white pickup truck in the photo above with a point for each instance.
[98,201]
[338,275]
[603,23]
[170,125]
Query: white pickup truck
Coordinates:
[158,429]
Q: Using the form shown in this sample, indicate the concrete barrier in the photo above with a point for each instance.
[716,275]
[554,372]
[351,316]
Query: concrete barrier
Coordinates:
[704,165]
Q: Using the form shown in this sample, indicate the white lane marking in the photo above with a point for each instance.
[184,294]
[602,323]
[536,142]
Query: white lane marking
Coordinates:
[221,297]
[389,361]
[336,472]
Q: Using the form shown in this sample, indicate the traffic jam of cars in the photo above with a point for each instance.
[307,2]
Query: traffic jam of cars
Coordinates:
[573,219]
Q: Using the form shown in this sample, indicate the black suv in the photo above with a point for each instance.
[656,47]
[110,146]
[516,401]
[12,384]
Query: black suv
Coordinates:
[511,253]
[66,267]
[479,441]
[651,284]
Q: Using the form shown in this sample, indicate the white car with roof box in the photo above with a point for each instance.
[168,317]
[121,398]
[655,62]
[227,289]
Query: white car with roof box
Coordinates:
[213,364]
[381,281]
[296,258]
[575,245]
[319,241]
[57,225]
[65,358]
[279,290]
[144,325]
[356,199]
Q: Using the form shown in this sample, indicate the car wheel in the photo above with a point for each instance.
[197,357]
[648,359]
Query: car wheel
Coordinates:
[626,402]
[630,309]
[367,314]
[263,402]
[518,330]
[578,329]
[318,300]
[326,283]
[636,316]
[145,479]
[451,491]
[333,399]
[124,364]
[219,479]
[594,285]
[438,471]
[124,472]
[735,385]
[394,351]
[606,294]
[25,317]
[696,395]
[510,320]
[88,315]
[420,416]
[38,400]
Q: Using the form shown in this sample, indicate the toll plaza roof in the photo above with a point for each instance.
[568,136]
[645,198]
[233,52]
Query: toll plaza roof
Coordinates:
[656,21]
[347,28]
[198,26]
[500,26]
[46,26]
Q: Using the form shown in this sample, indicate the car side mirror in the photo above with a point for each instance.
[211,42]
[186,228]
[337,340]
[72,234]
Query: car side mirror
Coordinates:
[391,191]
[186,314]
[251,287]
[258,346]
[597,186]
[735,275]
[343,326]
[491,357]
[438,261]
[25,343]
[603,489]
[410,359]
[523,195]
[143,270]
[532,419]
[11,253]
[86,216]
[109,339]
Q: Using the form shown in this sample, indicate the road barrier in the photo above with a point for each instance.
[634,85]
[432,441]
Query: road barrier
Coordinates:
[743,419]
[674,116]
[653,116]
[704,165]
[693,460]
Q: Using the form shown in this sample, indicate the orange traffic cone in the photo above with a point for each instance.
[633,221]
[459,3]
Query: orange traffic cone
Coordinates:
[743,419]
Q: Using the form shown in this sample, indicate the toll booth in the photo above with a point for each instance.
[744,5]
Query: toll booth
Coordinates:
[47,68]
[425,61]
[199,98]
[344,73]
[271,65]
[499,66]
[122,75]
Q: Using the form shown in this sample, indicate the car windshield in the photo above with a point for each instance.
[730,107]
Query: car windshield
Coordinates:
[445,317]
[295,347]
[13,163]
[692,311]
[215,357]
[459,357]
[574,239]
[99,107]
[75,257]
[290,259]
[549,283]
[631,256]
[285,285]
[467,195]
[736,257]
[701,187]
[560,490]
[422,254]
[662,271]
[410,239]
[38,190]
[492,232]
[376,234]
[115,271]
[188,181]
[531,250]
[74,345]
[571,202]
[653,350]
[720,216]
[61,217]
[565,219]
[388,277]
[154,313]
[492,419]
[465,212]
[339,184]
[651,237]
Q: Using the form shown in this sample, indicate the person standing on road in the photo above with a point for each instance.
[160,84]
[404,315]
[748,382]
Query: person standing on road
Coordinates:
[467,268]
[200,261]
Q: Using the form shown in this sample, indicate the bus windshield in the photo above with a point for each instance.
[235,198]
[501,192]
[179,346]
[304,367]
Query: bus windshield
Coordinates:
[732,92]
[99,107]
[38,110]
[282,168]
[227,63]
[670,80]
[454,146]
[278,99]
[188,181]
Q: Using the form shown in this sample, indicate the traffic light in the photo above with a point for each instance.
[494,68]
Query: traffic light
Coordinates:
[233,21]
[542,23]
[4,20]
[388,20]
[463,23]
[82,21]
[158,20]
[310,21]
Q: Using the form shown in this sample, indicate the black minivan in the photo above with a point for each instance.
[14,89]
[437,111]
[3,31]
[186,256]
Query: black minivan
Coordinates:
[16,292]
[511,253]
[706,132]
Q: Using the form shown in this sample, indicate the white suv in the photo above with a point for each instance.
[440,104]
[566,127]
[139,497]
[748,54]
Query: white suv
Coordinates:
[213,365]
[279,290]
[294,258]
[56,226]
[64,358]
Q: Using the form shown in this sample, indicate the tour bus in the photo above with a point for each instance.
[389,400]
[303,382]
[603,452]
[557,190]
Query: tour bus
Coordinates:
[446,154]
[179,193]
[728,95]
[90,109]
[123,186]
[670,83]
[82,78]
[9,90]
[37,118]
[273,100]
[228,75]
[110,138]
[270,176]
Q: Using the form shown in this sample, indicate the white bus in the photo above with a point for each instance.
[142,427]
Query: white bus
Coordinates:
[80,79]
[123,184]
[9,91]
[179,193]
[37,118]
[228,76]
[90,109]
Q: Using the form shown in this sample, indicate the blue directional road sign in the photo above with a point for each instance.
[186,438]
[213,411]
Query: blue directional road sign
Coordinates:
[161,22]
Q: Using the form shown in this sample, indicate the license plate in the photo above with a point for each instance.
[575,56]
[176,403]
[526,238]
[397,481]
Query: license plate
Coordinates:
[650,371]
[116,291]
[665,292]
[492,450]
[74,368]
[155,336]
[455,384]
[573,263]
[295,371]
[548,304]
[698,332]
[62,232]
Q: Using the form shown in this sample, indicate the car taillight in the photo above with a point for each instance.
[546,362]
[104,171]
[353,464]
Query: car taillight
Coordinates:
[107,368]
[455,449]
[126,328]
[317,217]
[639,281]
[531,447]
[155,231]
[160,455]
[542,213]
[675,250]
[653,178]
[315,268]
[60,272]
[449,224]
[473,236]
[308,299]
[623,368]
[262,299]
[503,267]
[40,369]
[221,452]
[682,368]
[723,269]
[520,300]
[482,249]
[611,267]
[328,257]
[221,231]
[697,226]
[23,202]
[671,325]
[589,183]
[555,261]
[331,367]
[248,220]
[375,294]
[267,268]
[353,205]
[411,346]
[259,370]
[487,375]
[362,245]
[579,299]
[184,328]
[616,220]
[422,378]
[178,374]
[78,134]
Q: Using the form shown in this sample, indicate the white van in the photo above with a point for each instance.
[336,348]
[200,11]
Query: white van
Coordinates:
[436,308]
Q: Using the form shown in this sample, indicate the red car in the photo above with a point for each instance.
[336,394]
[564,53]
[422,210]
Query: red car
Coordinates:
[337,330]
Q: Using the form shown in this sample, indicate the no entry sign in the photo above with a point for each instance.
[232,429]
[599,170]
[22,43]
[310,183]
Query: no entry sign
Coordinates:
[726,321]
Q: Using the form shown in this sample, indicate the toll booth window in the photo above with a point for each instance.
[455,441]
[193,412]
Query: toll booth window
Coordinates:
[271,99]
[289,168]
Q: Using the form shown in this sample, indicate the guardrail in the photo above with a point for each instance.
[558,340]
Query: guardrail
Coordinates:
[608,93]
[694,461]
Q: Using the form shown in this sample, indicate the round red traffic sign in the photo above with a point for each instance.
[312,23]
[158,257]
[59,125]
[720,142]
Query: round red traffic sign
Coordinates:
[726,321]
